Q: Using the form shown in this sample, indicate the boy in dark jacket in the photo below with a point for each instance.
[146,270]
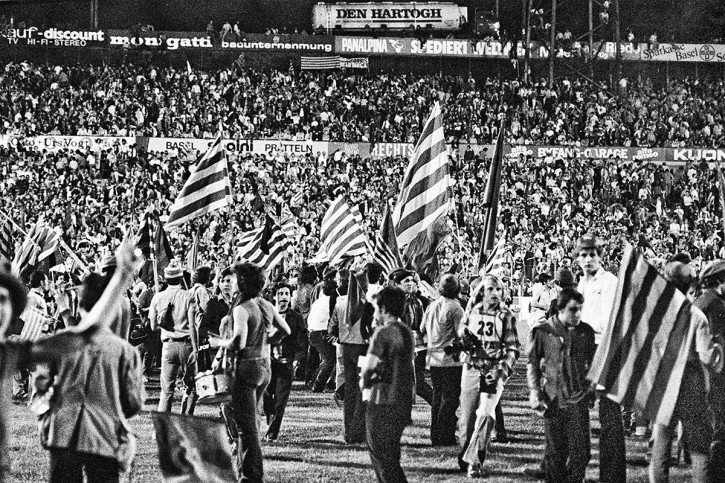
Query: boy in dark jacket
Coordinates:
[560,354]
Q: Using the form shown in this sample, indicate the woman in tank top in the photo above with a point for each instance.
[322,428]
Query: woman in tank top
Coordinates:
[252,319]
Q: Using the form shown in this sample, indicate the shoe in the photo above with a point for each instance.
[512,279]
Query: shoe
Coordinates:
[537,473]
[338,398]
[475,471]
[270,437]
[500,438]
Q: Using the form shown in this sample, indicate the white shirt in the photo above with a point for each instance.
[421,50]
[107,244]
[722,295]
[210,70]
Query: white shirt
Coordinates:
[319,314]
[599,292]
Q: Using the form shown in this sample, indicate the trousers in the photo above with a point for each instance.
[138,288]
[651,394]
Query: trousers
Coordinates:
[477,416]
[446,398]
[568,444]
[384,427]
[174,357]
[276,396]
[354,407]
[67,466]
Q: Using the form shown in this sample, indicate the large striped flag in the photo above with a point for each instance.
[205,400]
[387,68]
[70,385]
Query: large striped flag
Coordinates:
[6,239]
[642,356]
[264,246]
[341,234]
[40,243]
[289,226]
[385,251]
[424,190]
[497,257]
[206,190]
[33,323]
[490,199]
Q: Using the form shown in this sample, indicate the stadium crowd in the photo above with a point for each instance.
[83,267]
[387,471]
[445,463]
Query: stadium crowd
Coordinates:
[668,209]
[132,100]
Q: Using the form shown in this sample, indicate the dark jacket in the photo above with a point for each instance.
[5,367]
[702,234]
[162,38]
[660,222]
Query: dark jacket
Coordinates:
[293,345]
[559,360]
[713,306]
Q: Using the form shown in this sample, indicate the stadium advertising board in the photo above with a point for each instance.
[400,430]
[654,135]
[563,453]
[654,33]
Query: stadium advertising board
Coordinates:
[54,144]
[282,43]
[299,148]
[187,145]
[160,40]
[53,37]
[394,15]
[684,53]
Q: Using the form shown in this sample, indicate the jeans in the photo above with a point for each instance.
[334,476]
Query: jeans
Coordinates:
[717,403]
[354,407]
[148,350]
[277,395]
[250,381]
[475,432]
[327,358]
[692,408]
[339,369]
[612,456]
[446,398]
[384,427]
[568,444]
[174,357]
[66,466]
[422,388]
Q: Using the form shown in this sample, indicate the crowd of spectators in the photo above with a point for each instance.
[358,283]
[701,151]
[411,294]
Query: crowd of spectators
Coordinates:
[132,100]
[546,203]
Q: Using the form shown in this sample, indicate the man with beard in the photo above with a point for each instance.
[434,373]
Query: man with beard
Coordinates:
[283,356]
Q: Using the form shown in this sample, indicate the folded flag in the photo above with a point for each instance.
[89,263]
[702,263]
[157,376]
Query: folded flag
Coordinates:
[192,449]
[34,322]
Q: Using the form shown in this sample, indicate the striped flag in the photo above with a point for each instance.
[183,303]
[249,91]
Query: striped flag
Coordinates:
[206,190]
[33,324]
[424,191]
[319,63]
[497,257]
[192,258]
[288,224]
[40,243]
[490,199]
[264,246]
[341,234]
[642,356]
[385,251]
[48,240]
[721,188]
[6,240]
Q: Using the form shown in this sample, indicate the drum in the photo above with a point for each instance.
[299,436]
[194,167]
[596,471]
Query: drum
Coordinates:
[213,388]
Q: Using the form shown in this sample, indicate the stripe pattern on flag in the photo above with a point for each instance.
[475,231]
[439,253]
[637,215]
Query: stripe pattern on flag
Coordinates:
[34,321]
[192,259]
[341,234]
[496,259]
[251,246]
[642,356]
[385,251]
[319,63]
[206,190]
[424,191]
[6,240]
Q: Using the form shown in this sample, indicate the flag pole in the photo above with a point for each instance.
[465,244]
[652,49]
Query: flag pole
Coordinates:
[152,252]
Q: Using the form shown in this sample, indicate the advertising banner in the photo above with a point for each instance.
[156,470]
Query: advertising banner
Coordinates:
[684,52]
[394,15]
[299,148]
[281,43]
[160,40]
[187,145]
[53,37]
[54,144]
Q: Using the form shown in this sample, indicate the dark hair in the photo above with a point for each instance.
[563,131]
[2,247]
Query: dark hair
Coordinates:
[282,285]
[251,280]
[18,296]
[308,274]
[226,273]
[375,272]
[93,286]
[713,282]
[36,278]
[450,287]
[392,299]
[174,280]
[202,275]
[567,295]
[682,258]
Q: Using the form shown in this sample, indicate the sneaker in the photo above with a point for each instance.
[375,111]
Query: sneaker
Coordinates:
[475,471]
